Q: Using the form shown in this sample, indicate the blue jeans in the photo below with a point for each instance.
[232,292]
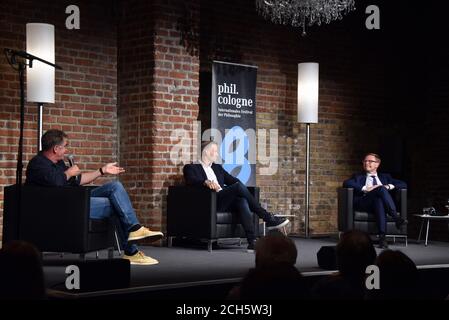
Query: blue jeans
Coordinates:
[111,199]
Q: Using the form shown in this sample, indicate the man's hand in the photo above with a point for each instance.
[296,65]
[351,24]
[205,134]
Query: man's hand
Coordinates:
[112,168]
[212,185]
[216,186]
[208,184]
[371,188]
[72,171]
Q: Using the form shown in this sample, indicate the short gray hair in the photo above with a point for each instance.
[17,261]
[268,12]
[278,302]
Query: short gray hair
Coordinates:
[206,144]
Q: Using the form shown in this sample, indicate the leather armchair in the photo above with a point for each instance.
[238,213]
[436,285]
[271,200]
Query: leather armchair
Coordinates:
[192,213]
[56,219]
[350,219]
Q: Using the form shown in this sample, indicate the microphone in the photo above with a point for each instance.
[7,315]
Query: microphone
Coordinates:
[28,56]
[71,160]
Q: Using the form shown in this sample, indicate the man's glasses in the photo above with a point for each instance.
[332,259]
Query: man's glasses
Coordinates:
[370,161]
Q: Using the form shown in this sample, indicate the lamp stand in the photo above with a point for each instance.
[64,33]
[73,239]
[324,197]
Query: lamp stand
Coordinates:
[307,193]
[11,57]
[40,107]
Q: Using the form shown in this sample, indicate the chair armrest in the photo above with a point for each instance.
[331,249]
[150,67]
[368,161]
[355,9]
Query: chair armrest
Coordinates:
[345,209]
[50,217]
[401,201]
[191,211]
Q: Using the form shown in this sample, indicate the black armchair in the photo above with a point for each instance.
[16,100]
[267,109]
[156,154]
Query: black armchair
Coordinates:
[192,213]
[56,219]
[350,219]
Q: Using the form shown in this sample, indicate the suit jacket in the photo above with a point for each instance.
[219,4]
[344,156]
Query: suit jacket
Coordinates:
[358,182]
[195,175]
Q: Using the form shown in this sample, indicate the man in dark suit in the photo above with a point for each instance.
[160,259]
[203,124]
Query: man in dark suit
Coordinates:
[372,194]
[232,194]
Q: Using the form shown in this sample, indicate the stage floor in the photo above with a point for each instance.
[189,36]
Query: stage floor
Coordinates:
[229,263]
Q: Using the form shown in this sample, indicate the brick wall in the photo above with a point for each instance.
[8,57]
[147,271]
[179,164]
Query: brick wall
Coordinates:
[158,94]
[151,54]
[86,89]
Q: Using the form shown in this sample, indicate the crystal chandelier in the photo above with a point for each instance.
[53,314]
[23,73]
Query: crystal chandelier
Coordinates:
[299,13]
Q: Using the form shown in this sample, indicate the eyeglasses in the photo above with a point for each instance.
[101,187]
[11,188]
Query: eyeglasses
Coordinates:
[370,161]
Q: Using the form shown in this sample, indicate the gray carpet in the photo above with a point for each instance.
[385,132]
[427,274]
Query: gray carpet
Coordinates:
[181,264]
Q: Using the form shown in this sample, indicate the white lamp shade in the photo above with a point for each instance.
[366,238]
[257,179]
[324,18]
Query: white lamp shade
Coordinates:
[41,77]
[308,82]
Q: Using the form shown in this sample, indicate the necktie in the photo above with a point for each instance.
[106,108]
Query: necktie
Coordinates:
[374,180]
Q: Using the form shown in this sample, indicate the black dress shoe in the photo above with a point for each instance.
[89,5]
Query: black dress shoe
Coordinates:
[383,244]
[276,222]
[251,245]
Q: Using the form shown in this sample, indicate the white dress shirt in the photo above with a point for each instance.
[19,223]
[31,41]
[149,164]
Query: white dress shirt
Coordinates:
[369,182]
[210,173]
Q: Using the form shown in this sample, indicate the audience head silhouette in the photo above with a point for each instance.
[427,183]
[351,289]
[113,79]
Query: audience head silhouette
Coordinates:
[21,271]
[275,275]
[355,251]
[398,276]
[275,249]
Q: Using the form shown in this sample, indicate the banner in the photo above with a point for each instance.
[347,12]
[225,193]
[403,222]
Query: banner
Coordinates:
[233,115]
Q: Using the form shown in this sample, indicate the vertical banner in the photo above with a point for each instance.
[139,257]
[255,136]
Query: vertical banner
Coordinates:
[233,115]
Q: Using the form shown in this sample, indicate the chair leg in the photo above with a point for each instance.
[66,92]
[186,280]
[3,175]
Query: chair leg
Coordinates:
[170,242]
[110,253]
[209,245]
[118,243]
[96,254]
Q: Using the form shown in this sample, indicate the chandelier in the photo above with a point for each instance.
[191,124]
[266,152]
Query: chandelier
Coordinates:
[299,13]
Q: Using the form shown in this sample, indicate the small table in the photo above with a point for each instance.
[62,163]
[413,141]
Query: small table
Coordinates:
[428,217]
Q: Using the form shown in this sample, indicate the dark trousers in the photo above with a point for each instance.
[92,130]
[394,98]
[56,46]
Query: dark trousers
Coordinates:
[380,203]
[237,198]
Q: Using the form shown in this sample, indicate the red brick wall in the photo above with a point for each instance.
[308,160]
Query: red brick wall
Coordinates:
[158,83]
[86,90]
[153,62]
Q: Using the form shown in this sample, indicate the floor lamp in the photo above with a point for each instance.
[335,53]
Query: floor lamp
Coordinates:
[308,83]
[40,42]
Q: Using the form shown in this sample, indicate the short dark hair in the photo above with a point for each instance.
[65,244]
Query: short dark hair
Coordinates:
[375,155]
[275,249]
[355,251]
[21,271]
[51,138]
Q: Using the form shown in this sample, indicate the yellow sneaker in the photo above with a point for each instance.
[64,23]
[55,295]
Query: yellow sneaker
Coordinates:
[145,233]
[141,259]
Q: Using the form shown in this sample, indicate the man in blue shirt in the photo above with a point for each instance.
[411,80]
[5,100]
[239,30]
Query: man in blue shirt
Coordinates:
[48,169]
